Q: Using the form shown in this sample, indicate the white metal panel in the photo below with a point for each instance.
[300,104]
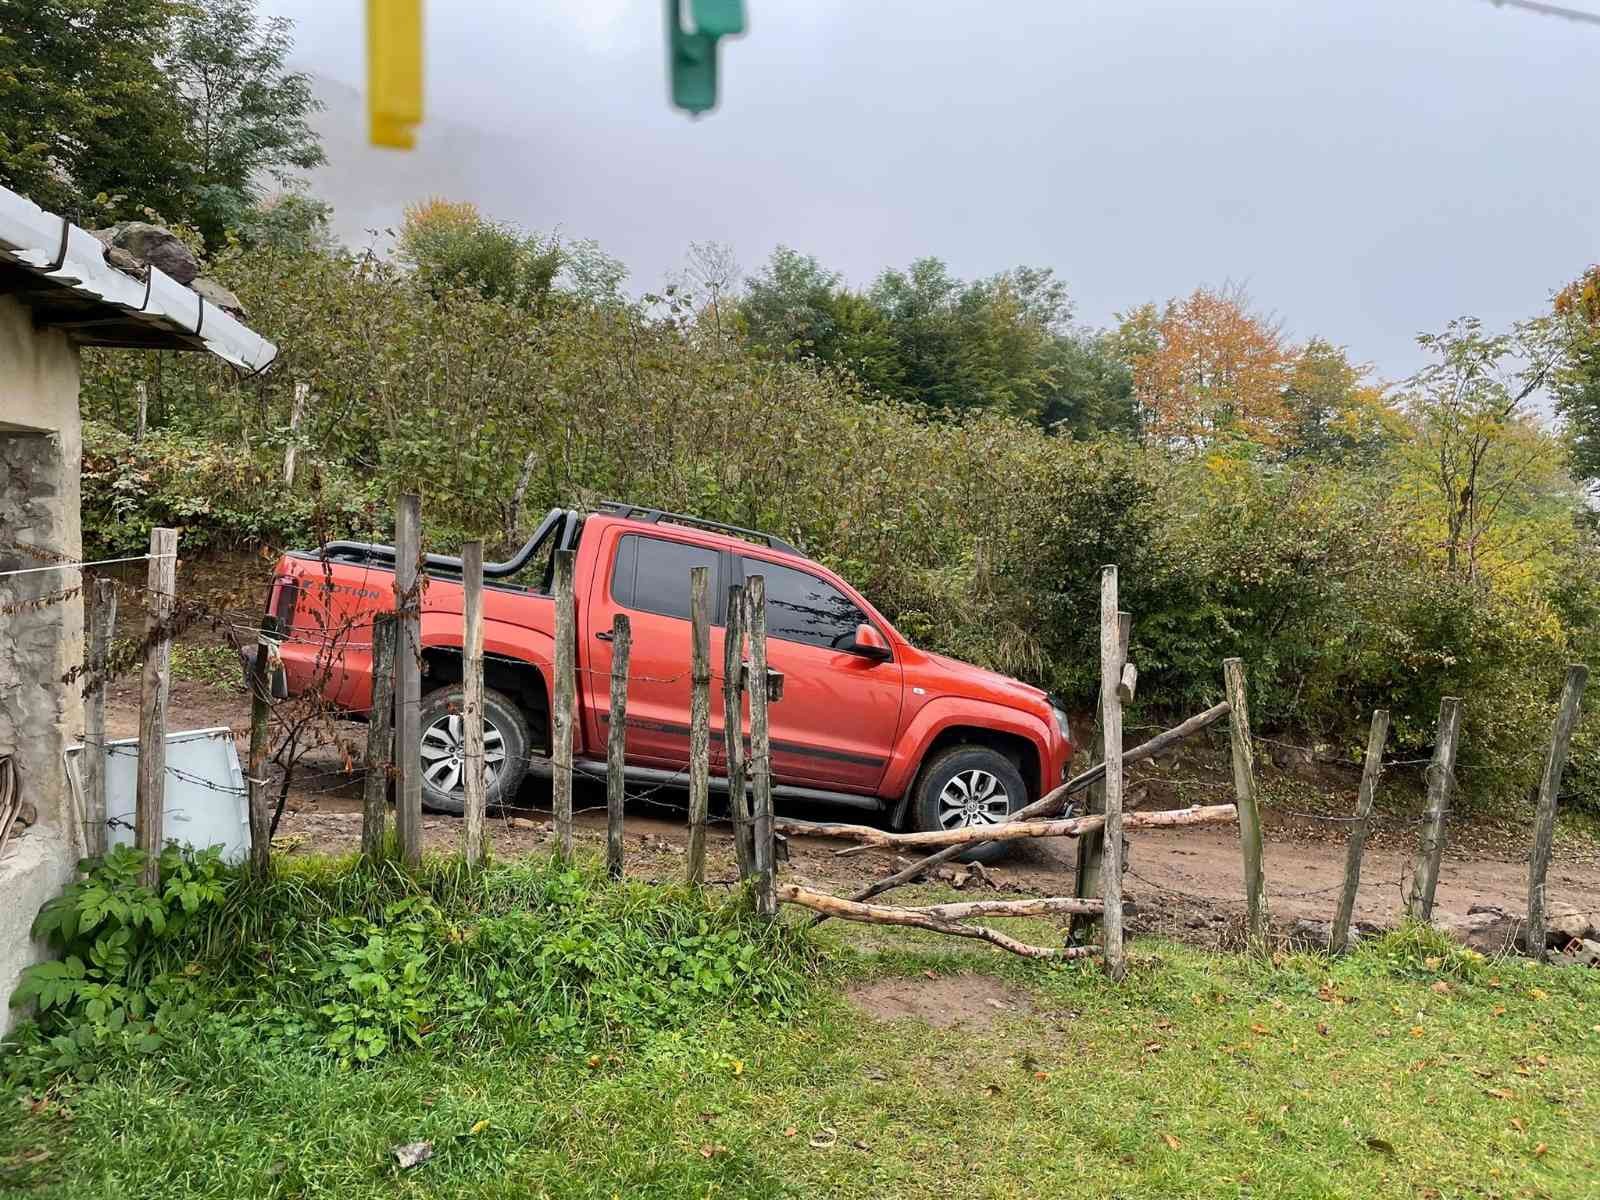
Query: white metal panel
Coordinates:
[206,800]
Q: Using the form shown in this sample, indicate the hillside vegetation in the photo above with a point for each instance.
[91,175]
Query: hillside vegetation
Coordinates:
[1358,548]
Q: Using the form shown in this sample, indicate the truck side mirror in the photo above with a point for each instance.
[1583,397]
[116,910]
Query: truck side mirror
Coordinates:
[869,643]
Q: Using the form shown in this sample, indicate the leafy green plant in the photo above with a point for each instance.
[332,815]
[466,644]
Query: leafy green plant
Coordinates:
[107,989]
[1420,952]
[358,964]
[378,993]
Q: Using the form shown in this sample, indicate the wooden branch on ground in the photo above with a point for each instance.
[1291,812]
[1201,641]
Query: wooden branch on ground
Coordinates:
[1033,906]
[1053,801]
[1011,831]
[883,914]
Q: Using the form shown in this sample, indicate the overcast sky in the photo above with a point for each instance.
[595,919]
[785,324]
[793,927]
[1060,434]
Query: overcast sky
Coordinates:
[1368,168]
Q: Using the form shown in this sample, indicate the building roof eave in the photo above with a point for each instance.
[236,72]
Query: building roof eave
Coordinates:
[59,270]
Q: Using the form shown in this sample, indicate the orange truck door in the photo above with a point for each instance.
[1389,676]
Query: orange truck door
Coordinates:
[646,576]
[835,726]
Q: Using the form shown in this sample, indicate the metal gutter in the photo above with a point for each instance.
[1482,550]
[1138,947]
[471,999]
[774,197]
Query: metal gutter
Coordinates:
[73,258]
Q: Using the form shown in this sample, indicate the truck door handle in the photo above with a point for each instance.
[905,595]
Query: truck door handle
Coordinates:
[604,635]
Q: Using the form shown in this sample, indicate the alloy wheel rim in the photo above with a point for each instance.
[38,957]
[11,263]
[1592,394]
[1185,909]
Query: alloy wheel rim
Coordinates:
[973,797]
[444,753]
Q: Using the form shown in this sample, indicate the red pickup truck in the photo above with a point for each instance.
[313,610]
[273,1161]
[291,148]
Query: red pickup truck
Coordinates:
[866,719]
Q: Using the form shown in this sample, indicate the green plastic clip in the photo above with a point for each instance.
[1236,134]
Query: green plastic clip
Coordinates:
[692,54]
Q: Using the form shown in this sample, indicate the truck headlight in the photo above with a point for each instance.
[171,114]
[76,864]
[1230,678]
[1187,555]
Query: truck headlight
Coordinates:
[1061,722]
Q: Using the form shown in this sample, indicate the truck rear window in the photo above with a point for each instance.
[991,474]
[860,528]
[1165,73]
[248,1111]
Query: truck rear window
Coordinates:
[652,575]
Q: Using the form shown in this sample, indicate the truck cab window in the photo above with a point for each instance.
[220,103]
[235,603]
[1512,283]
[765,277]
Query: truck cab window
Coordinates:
[803,608]
[652,574]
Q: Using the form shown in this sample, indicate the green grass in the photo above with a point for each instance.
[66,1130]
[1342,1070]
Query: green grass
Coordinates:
[212,663]
[1408,1069]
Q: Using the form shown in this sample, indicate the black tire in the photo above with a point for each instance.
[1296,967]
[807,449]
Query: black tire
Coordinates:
[505,735]
[975,769]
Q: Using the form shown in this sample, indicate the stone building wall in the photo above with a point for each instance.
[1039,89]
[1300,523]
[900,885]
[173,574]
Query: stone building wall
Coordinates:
[40,449]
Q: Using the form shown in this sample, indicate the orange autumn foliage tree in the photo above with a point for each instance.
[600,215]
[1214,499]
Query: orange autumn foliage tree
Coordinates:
[1208,369]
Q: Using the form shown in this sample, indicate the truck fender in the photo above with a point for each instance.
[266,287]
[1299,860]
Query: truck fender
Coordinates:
[948,712]
[501,639]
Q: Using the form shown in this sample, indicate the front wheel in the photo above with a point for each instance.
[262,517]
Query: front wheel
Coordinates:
[444,745]
[967,786]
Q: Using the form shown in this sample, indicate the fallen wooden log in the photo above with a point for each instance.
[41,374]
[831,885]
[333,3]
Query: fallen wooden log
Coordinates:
[883,914]
[1032,906]
[1053,801]
[1012,831]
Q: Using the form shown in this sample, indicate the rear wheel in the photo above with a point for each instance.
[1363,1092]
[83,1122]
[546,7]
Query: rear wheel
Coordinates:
[969,786]
[444,745]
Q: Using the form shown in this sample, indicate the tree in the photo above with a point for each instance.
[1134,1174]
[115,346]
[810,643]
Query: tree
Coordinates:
[86,110]
[1209,368]
[1003,343]
[1091,389]
[1334,412]
[1576,382]
[183,108]
[1478,457]
[290,221]
[247,114]
[710,272]
[787,306]
[450,243]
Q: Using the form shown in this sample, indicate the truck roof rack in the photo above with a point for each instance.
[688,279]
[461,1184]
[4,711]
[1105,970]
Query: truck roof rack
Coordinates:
[639,512]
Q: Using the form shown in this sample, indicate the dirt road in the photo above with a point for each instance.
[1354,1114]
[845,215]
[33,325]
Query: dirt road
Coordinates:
[1186,881]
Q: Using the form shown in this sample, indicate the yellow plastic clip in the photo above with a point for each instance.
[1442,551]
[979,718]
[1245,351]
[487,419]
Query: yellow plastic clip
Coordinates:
[394,71]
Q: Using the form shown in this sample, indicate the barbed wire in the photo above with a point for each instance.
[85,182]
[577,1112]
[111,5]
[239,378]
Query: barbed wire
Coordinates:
[78,566]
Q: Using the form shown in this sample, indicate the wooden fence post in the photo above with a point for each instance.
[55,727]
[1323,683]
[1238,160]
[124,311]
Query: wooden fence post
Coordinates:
[475,790]
[1091,849]
[102,628]
[408,677]
[302,392]
[1441,783]
[699,719]
[561,708]
[260,742]
[1544,825]
[1111,654]
[617,741]
[733,730]
[380,738]
[1359,829]
[150,798]
[1244,790]
[755,594]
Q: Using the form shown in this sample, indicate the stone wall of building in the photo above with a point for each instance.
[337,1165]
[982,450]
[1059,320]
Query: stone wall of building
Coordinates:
[40,715]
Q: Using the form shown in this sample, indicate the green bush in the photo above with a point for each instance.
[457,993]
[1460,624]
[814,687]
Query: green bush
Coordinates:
[218,497]
[111,990]
[351,963]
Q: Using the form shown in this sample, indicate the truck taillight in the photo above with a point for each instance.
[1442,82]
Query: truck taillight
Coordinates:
[285,595]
